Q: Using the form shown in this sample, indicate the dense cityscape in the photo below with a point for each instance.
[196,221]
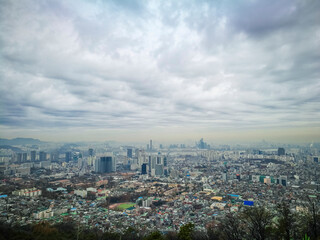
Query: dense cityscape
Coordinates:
[110,188]
[160,120]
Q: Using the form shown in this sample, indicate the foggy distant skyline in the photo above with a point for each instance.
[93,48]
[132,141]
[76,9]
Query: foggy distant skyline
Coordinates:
[164,70]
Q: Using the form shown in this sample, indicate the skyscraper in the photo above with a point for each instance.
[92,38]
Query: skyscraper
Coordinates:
[129,152]
[158,159]
[54,156]
[159,170]
[150,145]
[165,166]
[42,156]
[33,156]
[165,162]
[281,152]
[68,156]
[153,162]
[144,168]
[90,151]
[105,165]
[149,164]
[19,157]
[24,157]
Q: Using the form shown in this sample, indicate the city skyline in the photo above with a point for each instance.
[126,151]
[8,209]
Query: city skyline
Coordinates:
[167,71]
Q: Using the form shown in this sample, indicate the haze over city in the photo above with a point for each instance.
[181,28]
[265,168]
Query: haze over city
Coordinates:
[160,120]
[166,70]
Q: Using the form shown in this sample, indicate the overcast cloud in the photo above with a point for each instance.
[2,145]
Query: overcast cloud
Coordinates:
[139,65]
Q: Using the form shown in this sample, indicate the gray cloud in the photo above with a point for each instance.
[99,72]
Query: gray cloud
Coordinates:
[133,65]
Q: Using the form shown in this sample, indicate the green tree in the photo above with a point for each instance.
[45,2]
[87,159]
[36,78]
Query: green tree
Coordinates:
[313,218]
[131,234]
[186,231]
[66,229]
[111,236]
[214,233]
[45,231]
[231,228]
[258,223]
[172,235]
[154,236]
[286,224]
[199,235]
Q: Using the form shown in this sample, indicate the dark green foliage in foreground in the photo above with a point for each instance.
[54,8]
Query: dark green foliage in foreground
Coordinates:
[186,231]
[251,223]
[258,223]
[154,236]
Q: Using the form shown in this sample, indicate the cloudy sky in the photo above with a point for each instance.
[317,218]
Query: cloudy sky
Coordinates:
[130,70]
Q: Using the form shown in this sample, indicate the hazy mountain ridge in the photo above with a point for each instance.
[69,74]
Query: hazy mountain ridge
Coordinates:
[20,141]
[15,149]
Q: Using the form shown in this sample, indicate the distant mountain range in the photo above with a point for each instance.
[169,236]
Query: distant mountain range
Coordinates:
[20,141]
[15,149]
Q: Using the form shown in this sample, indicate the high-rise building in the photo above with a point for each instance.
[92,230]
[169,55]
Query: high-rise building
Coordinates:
[144,168]
[159,170]
[136,152]
[149,164]
[153,162]
[165,162]
[75,156]
[166,172]
[150,145]
[90,151]
[165,166]
[129,152]
[54,156]
[281,152]
[68,157]
[105,165]
[33,156]
[19,157]
[24,157]
[141,158]
[42,156]
[159,160]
